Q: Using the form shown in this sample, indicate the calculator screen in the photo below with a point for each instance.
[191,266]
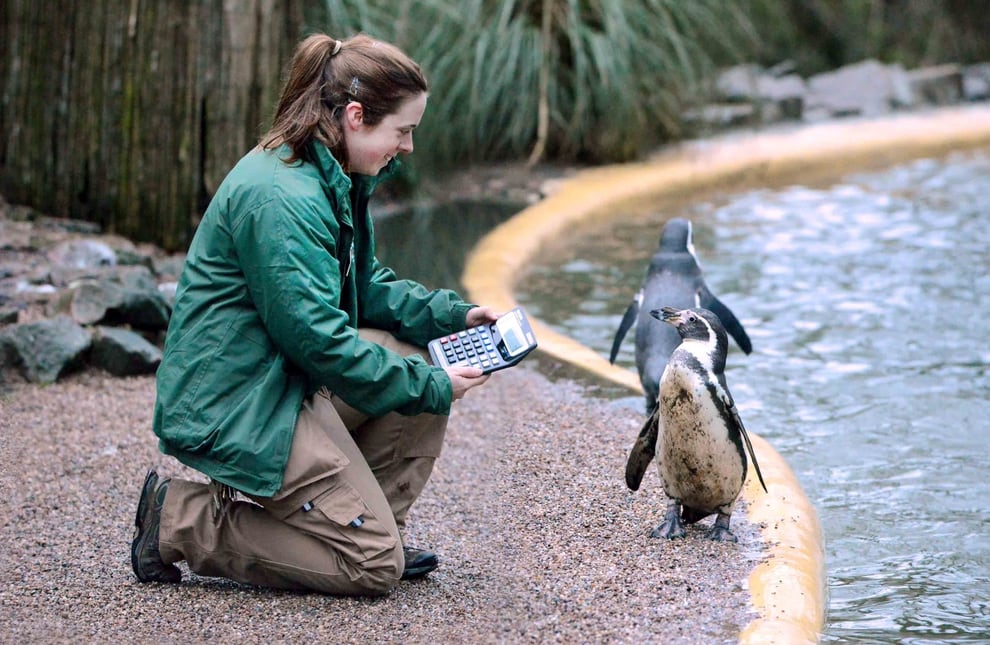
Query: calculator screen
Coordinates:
[508,329]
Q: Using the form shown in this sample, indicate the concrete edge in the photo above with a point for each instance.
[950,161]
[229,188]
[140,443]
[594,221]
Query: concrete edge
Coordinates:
[788,590]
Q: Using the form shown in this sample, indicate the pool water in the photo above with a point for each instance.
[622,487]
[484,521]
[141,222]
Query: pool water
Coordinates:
[868,303]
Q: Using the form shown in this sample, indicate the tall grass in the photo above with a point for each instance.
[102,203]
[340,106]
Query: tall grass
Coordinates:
[574,80]
[820,35]
[605,80]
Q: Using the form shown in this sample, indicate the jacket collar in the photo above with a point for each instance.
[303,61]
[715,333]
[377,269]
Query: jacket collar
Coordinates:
[336,179]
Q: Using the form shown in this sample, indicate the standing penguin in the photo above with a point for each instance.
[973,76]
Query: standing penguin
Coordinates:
[700,437]
[673,279]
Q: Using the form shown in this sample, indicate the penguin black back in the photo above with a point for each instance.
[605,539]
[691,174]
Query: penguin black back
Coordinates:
[673,278]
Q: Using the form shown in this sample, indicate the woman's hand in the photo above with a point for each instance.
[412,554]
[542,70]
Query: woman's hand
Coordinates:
[463,378]
[480,315]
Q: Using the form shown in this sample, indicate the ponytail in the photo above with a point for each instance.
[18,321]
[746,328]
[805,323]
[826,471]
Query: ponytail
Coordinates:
[325,75]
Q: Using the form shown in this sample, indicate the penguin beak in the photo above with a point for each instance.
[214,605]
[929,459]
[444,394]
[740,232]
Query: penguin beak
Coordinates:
[668,315]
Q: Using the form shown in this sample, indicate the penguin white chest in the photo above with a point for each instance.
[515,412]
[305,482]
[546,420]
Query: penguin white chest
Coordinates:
[699,460]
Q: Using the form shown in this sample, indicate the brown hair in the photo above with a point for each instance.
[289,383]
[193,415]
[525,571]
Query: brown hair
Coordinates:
[324,76]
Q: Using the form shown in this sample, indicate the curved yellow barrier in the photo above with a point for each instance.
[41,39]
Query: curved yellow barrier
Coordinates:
[788,590]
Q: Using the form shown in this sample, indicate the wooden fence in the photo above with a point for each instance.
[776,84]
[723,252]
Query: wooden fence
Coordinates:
[129,113]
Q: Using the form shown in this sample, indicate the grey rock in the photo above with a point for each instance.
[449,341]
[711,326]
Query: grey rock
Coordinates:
[169,268]
[867,88]
[8,315]
[167,289]
[750,95]
[723,115]
[123,352]
[938,85]
[45,350]
[82,254]
[122,296]
[739,83]
[976,82]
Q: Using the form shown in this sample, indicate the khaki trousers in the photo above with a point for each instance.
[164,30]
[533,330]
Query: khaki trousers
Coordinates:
[335,525]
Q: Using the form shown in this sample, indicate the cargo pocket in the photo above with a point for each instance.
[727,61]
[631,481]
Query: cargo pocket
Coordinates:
[314,454]
[422,437]
[363,535]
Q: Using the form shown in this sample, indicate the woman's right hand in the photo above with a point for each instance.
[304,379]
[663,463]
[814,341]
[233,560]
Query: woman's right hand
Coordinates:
[463,378]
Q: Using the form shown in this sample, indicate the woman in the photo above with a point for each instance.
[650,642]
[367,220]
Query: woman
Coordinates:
[294,371]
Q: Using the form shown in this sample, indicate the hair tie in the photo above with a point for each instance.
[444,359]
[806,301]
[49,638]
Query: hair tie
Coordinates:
[336,48]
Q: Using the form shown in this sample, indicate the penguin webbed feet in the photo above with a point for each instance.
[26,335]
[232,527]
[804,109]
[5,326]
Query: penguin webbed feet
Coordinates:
[720,531]
[671,528]
[675,518]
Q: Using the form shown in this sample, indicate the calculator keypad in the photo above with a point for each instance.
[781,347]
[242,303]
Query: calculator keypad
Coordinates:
[474,346]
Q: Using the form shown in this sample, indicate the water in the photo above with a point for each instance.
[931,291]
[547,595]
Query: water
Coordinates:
[868,303]
[430,244]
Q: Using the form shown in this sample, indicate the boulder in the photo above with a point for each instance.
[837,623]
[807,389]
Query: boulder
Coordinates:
[82,254]
[123,352]
[938,85]
[46,349]
[867,88]
[127,296]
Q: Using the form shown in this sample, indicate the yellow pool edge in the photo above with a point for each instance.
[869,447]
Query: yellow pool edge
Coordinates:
[788,590]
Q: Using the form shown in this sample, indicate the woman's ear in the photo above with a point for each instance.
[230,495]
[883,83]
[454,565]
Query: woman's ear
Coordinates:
[354,114]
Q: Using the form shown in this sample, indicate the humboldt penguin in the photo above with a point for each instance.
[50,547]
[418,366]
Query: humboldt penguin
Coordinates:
[700,437]
[673,279]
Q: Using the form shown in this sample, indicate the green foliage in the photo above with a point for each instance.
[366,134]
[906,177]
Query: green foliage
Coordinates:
[820,35]
[610,76]
[605,80]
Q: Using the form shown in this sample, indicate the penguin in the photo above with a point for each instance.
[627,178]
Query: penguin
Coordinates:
[700,437]
[673,279]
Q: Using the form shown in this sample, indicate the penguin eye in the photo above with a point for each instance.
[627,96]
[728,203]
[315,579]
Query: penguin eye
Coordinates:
[691,318]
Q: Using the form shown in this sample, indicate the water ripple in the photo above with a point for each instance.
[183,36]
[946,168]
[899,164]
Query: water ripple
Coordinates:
[867,304]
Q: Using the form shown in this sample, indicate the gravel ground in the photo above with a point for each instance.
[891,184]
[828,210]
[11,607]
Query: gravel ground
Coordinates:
[539,539]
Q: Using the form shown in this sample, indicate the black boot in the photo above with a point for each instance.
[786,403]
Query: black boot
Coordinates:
[418,563]
[146,559]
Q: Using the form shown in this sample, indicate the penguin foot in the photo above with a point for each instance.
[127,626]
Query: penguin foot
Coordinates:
[720,531]
[671,527]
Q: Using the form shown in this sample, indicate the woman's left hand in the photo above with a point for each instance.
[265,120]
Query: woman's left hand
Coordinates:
[480,315]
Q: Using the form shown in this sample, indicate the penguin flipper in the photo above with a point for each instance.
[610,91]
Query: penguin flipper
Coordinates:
[632,311]
[729,320]
[752,455]
[643,451]
[731,406]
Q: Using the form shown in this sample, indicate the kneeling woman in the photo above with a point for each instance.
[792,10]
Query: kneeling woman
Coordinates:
[294,371]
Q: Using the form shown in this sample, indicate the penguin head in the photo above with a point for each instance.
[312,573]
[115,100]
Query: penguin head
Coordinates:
[677,236]
[695,324]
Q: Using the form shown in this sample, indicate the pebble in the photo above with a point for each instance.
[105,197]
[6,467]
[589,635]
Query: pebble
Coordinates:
[538,537]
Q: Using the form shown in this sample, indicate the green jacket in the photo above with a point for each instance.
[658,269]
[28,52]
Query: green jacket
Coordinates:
[279,276]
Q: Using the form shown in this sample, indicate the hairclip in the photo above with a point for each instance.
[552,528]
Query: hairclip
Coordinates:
[355,84]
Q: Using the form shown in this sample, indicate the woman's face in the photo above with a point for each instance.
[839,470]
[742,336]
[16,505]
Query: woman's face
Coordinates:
[370,148]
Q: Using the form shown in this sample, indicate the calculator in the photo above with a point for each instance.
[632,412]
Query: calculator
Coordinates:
[491,347]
